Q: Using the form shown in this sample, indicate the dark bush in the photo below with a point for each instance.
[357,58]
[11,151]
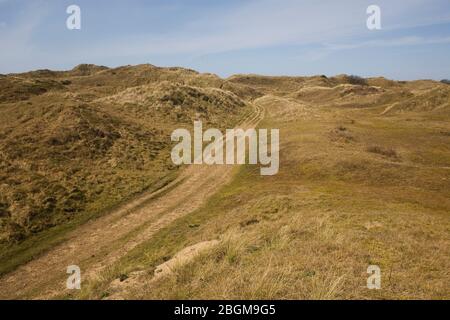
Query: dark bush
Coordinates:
[4,209]
[356,80]
[388,152]
[445,81]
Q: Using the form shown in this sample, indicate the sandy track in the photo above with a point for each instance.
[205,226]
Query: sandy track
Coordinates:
[99,243]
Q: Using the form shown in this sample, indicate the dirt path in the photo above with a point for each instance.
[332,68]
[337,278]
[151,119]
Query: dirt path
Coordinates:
[99,243]
[134,285]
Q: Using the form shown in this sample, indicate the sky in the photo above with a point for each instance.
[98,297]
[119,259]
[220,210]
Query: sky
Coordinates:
[271,37]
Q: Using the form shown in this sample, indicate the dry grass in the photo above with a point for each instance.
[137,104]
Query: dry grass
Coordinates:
[338,204]
[311,231]
[75,144]
[388,152]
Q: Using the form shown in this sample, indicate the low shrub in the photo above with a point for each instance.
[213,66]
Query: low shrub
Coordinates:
[388,152]
[356,80]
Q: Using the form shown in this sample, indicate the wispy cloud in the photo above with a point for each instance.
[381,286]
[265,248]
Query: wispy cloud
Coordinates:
[17,38]
[328,25]
[326,49]
[403,41]
[270,23]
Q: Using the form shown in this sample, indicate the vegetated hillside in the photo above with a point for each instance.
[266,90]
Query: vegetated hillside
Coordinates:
[357,186]
[364,180]
[354,92]
[75,143]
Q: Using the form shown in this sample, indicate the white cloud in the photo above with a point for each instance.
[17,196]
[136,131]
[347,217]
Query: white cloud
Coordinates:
[16,38]
[254,24]
[272,22]
[329,48]
[403,41]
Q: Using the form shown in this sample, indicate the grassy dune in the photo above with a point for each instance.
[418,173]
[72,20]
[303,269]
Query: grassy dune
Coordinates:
[356,187]
[364,180]
[76,144]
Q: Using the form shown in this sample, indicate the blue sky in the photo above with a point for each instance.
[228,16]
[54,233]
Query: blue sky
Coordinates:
[274,37]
